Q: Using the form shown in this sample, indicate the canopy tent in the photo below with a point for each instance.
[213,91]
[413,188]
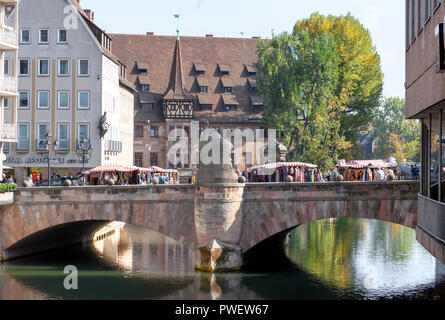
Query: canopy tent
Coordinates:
[103,169]
[278,172]
[155,169]
[284,164]
[373,164]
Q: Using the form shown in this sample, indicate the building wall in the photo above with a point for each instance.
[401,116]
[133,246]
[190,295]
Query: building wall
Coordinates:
[160,144]
[102,83]
[425,87]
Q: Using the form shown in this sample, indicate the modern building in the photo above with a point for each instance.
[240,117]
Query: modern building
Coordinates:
[70,86]
[207,79]
[8,79]
[425,100]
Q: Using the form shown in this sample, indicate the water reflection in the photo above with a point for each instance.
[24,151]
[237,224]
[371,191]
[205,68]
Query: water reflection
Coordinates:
[334,259]
[365,258]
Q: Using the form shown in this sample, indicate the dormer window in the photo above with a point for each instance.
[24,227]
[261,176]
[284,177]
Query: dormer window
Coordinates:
[203,85]
[224,69]
[200,69]
[230,102]
[252,86]
[142,67]
[251,70]
[227,84]
[145,87]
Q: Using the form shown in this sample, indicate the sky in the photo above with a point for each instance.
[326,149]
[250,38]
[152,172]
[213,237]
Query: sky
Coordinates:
[385,19]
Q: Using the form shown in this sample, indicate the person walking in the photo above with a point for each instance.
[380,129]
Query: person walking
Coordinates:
[380,175]
[415,172]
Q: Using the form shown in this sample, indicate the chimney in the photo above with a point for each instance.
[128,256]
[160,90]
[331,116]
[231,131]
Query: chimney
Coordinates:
[209,35]
[89,13]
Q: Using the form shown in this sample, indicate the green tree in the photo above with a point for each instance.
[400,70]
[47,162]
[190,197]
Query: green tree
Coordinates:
[360,76]
[394,135]
[297,78]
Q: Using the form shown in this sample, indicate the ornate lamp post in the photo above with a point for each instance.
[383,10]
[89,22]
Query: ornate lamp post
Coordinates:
[45,149]
[84,152]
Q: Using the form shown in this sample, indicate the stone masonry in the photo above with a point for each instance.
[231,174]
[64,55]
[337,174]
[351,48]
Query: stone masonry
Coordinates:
[231,216]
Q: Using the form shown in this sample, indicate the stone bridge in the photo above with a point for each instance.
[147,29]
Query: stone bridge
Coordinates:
[222,221]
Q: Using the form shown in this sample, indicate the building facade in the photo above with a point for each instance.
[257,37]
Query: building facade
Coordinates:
[425,100]
[184,81]
[70,85]
[8,80]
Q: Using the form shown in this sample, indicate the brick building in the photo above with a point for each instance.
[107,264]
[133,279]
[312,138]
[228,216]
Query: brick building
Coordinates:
[179,80]
[425,100]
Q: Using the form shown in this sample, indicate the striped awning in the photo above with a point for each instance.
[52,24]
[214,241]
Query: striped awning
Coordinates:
[161,170]
[360,164]
[278,165]
[102,169]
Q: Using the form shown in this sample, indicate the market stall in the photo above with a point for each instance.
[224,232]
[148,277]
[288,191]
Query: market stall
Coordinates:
[363,170]
[166,176]
[278,172]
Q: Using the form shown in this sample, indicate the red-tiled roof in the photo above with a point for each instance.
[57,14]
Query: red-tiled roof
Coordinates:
[196,52]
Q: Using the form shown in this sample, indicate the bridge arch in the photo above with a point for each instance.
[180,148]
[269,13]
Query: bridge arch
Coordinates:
[267,212]
[168,211]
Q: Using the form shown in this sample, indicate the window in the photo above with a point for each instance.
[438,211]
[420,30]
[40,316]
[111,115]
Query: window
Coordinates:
[138,159]
[227,89]
[23,100]
[42,130]
[6,147]
[23,67]
[427,9]
[200,72]
[43,100]
[153,159]
[143,71]
[154,131]
[203,89]
[139,131]
[6,70]
[253,90]
[6,103]
[145,87]
[420,8]
[23,138]
[43,36]
[83,68]
[43,67]
[252,73]
[83,100]
[62,36]
[83,131]
[25,36]
[64,67]
[63,100]
[63,137]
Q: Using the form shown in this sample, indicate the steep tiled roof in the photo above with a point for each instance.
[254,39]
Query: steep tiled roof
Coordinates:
[206,53]
[176,89]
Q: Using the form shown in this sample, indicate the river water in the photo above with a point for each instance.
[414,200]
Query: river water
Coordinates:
[331,259]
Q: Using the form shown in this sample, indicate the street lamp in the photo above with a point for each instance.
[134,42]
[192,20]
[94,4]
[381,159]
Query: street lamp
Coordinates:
[84,151]
[44,150]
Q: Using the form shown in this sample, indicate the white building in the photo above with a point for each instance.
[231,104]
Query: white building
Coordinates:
[8,78]
[68,79]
